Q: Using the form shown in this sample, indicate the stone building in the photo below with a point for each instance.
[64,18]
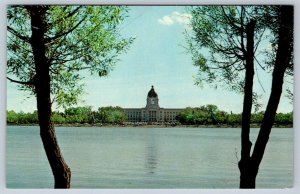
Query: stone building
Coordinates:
[152,112]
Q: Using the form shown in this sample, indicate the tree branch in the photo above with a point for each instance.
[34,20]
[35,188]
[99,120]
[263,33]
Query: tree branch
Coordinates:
[65,33]
[14,32]
[242,30]
[21,82]
[69,15]
[259,79]
[230,20]
[258,41]
[259,63]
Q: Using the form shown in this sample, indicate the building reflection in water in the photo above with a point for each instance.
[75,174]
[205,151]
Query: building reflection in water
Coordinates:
[151,151]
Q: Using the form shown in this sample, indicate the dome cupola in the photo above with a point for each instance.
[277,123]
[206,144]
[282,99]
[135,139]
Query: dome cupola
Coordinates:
[152,93]
[152,99]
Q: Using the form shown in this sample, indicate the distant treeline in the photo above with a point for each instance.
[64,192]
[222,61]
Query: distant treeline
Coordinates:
[72,115]
[204,115]
[211,115]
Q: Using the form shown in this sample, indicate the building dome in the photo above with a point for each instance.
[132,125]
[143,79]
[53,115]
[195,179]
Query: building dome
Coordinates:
[152,93]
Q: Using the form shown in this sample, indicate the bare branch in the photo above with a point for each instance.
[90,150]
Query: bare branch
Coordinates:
[259,80]
[258,41]
[259,63]
[21,82]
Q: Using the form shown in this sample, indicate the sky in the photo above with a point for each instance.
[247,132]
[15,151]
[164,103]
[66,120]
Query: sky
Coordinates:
[157,57]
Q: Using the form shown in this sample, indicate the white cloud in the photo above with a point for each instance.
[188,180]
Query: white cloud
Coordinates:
[176,17]
[166,20]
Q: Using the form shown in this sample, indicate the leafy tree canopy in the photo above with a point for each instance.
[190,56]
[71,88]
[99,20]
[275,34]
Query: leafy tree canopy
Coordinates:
[218,42]
[76,38]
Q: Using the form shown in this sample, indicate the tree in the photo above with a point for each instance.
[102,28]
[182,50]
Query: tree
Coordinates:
[58,118]
[47,47]
[228,32]
[257,117]
[284,119]
[111,115]
[283,60]
[234,119]
[231,35]
[12,117]
[203,115]
[79,114]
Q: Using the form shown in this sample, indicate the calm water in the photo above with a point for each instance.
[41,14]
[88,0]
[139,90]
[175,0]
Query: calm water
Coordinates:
[146,158]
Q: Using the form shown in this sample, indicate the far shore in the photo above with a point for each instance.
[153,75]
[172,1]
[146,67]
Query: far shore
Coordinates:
[161,125]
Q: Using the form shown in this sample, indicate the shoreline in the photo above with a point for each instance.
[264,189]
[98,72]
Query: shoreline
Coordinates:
[148,125]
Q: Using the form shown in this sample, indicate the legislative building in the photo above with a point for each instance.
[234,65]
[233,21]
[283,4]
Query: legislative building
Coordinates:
[152,112]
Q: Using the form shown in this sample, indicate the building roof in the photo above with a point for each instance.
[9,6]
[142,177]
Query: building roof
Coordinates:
[152,93]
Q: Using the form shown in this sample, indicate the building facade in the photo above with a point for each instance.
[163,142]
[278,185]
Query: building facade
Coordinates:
[152,112]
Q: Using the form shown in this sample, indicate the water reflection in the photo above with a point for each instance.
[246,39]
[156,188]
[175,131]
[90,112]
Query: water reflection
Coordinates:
[151,157]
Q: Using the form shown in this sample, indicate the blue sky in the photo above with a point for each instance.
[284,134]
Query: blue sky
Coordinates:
[157,57]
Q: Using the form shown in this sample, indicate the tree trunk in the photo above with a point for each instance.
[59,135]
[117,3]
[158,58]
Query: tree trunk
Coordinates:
[249,167]
[283,57]
[245,172]
[60,170]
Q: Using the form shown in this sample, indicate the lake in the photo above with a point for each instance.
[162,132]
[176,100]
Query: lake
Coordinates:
[135,157]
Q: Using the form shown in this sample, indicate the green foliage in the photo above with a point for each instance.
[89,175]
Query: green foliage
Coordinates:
[257,118]
[12,116]
[22,118]
[79,115]
[76,38]
[234,119]
[290,95]
[284,119]
[111,115]
[204,115]
[218,43]
[211,115]
[58,118]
